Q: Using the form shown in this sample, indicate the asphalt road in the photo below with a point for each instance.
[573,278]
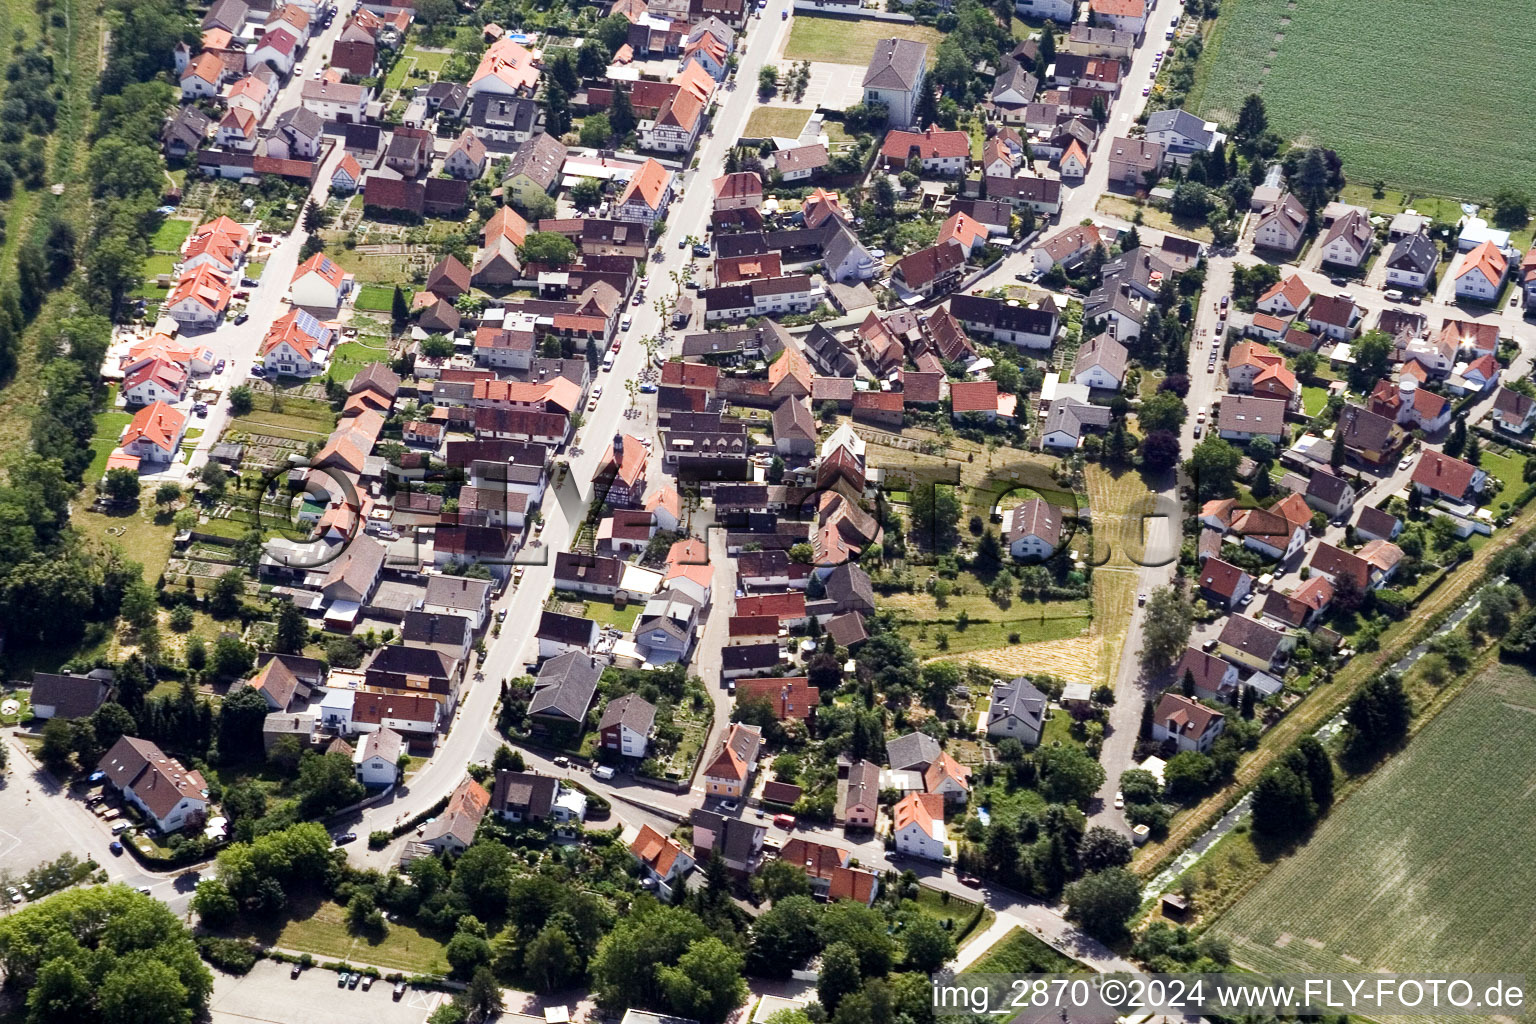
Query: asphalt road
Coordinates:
[471,737]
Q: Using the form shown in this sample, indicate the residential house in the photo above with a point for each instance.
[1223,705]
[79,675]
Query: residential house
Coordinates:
[1349,240]
[1248,642]
[1244,417]
[1412,262]
[524,796]
[894,77]
[1513,412]
[1191,725]
[1033,530]
[297,344]
[296,135]
[1480,274]
[726,775]
[154,434]
[1017,710]
[202,77]
[917,824]
[938,151]
[1068,247]
[1214,678]
[949,779]
[1224,584]
[1012,92]
[858,803]
[69,696]
[1368,436]
[1412,406]
[534,168]
[800,162]
[646,198]
[337,102]
[913,751]
[1329,494]
[626,725]
[1134,162]
[319,283]
[564,688]
[681,115]
[1101,363]
[1179,132]
[504,120]
[737,841]
[1438,475]
[1283,226]
[1374,524]
[505,69]
[168,794]
[376,759]
[466,157]
[238,130]
[458,595]
[1286,298]
[1125,15]
[184,132]
[453,831]
[1055,10]
[1068,419]
[155,380]
[1302,607]
[1032,326]
[559,634]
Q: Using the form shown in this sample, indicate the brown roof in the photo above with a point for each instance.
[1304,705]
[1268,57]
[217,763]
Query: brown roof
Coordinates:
[1187,717]
[973,396]
[461,818]
[1439,472]
[524,792]
[1221,578]
[817,859]
[790,697]
[160,782]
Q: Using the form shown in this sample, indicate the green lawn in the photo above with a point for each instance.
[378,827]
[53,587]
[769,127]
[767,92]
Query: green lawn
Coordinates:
[604,612]
[1510,468]
[171,234]
[322,930]
[352,356]
[109,427]
[1401,125]
[1313,400]
[1422,867]
[414,57]
[375,298]
[1119,206]
[835,41]
[966,918]
[783,122]
[1020,952]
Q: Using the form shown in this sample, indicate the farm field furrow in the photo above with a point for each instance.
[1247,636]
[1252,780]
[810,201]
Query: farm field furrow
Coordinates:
[1430,866]
[1377,89]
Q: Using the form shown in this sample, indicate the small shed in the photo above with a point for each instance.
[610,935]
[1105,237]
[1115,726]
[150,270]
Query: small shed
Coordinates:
[1174,906]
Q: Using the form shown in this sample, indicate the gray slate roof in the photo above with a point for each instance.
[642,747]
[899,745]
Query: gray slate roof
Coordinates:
[565,686]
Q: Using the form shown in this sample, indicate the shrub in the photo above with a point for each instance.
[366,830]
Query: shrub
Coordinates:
[232,956]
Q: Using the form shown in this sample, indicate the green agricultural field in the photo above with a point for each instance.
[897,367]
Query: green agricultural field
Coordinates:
[1359,76]
[836,41]
[1427,867]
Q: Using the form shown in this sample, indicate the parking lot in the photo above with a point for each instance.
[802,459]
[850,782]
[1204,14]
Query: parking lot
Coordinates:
[269,994]
[33,829]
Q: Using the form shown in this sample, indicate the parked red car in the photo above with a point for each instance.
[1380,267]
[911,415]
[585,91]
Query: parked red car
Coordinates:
[784,821]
